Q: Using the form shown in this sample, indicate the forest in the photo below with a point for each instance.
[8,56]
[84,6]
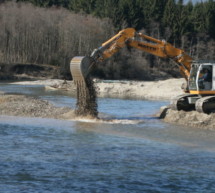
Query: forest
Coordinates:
[54,31]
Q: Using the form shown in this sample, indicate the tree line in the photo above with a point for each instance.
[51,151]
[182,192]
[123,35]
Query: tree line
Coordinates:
[53,31]
[182,19]
[30,34]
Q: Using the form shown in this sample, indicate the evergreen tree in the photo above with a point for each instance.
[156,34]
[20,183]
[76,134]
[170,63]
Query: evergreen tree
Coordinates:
[187,14]
[182,20]
[174,15]
[154,9]
[210,18]
[82,5]
[130,13]
[106,8]
[169,18]
[199,17]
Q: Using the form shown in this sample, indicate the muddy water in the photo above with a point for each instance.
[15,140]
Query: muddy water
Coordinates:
[127,151]
[86,98]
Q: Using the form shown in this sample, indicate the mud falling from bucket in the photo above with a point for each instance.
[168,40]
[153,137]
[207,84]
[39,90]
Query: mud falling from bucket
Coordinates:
[86,98]
[86,105]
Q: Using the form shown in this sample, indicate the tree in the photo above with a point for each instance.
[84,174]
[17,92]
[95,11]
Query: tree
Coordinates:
[169,17]
[210,18]
[129,13]
[182,25]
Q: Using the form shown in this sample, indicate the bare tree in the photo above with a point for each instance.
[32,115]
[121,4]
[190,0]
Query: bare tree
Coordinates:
[30,34]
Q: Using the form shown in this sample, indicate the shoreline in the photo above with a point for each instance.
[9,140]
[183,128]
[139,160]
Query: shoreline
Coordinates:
[142,90]
[145,90]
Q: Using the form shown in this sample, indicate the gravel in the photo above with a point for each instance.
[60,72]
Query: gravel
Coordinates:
[20,105]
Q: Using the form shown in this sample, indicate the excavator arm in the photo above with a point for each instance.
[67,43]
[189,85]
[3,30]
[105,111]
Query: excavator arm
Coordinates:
[113,45]
[81,66]
[163,49]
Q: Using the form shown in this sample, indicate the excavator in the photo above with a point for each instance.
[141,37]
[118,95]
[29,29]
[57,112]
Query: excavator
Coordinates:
[199,91]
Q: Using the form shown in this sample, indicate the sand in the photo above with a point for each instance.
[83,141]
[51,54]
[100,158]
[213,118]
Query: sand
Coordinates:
[150,90]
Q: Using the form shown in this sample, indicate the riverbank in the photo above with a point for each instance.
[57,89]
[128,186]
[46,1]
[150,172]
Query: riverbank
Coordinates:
[24,71]
[149,90]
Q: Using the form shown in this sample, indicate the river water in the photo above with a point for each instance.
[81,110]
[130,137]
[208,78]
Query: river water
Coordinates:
[129,150]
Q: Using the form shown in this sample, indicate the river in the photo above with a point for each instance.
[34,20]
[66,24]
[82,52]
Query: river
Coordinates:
[128,150]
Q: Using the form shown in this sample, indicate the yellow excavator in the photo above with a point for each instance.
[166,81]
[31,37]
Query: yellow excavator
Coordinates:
[200,89]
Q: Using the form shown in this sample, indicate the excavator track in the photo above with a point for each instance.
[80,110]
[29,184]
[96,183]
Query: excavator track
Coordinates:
[205,104]
[181,103]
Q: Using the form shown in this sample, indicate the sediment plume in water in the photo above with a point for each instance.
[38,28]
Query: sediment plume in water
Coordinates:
[86,98]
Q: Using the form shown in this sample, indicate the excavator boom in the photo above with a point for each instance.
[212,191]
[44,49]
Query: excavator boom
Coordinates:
[81,66]
[163,49]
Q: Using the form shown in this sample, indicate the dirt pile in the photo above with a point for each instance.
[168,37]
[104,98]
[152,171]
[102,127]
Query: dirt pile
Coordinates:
[86,98]
[192,118]
[20,105]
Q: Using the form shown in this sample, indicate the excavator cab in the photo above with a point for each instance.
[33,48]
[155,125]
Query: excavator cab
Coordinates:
[205,77]
[201,81]
[201,90]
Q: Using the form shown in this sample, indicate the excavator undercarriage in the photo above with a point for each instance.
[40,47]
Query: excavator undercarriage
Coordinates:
[181,102]
[190,102]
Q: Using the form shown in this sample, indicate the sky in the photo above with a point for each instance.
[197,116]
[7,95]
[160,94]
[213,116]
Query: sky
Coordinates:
[194,1]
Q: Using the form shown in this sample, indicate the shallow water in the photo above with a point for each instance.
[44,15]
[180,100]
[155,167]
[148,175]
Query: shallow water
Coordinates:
[128,150]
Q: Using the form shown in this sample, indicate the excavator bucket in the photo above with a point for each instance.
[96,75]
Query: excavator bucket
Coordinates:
[80,67]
